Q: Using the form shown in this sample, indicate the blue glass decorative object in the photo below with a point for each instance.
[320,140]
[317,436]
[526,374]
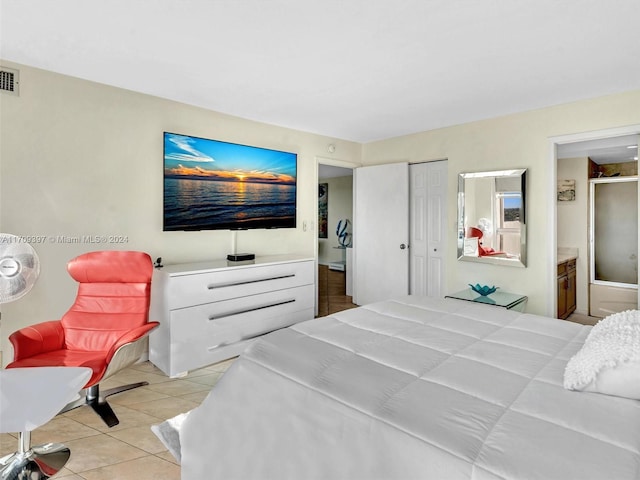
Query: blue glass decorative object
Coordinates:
[483,290]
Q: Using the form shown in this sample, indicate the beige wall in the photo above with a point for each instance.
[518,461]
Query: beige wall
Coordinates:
[573,221]
[81,158]
[520,140]
[340,207]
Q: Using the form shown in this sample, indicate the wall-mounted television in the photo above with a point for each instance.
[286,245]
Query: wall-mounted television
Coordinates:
[216,185]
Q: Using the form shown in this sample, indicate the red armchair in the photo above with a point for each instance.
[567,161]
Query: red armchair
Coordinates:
[105,329]
[473,232]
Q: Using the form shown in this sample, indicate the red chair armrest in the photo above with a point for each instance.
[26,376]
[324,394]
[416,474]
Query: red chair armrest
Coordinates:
[131,336]
[35,339]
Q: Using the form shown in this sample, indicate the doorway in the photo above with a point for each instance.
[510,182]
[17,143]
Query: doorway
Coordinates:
[334,236]
[602,155]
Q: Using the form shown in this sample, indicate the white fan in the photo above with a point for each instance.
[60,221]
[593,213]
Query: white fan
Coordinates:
[485,225]
[19,267]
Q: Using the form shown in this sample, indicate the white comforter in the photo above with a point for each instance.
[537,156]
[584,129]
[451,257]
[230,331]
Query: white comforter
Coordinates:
[415,388]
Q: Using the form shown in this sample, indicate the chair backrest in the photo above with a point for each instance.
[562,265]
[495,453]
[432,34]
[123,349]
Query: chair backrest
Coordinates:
[473,232]
[113,297]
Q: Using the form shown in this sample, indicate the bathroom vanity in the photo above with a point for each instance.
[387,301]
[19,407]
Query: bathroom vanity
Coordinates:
[566,286]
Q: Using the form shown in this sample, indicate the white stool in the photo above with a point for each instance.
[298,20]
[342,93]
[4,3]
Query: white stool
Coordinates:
[29,398]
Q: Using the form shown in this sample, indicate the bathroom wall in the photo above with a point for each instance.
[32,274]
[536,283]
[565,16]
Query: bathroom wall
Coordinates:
[573,224]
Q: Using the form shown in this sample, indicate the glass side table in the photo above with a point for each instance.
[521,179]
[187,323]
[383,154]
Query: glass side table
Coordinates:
[510,301]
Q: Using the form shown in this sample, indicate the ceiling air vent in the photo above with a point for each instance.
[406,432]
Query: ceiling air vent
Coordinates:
[9,80]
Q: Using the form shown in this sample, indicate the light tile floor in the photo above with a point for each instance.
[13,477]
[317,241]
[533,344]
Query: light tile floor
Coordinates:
[129,450]
[583,319]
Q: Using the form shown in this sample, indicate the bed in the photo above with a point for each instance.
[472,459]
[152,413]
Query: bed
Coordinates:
[411,388]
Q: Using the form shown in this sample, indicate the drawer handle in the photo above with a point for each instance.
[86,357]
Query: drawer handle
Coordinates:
[242,339]
[251,309]
[245,282]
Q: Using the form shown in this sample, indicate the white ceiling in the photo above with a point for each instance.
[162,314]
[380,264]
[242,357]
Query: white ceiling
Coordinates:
[605,150]
[330,171]
[359,70]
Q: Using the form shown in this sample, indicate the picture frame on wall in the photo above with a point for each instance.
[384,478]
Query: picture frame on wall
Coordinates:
[323,210]
[566,190]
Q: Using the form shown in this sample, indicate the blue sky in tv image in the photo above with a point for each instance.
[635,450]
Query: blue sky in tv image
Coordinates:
[186,156]
[209,184]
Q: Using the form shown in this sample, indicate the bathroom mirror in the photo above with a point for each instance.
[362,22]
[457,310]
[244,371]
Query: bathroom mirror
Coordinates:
[492,217]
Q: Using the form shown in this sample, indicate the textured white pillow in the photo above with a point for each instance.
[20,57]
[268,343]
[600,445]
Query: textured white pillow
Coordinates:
[609,360]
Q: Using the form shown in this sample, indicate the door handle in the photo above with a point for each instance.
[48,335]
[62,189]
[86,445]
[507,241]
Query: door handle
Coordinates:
[403,246]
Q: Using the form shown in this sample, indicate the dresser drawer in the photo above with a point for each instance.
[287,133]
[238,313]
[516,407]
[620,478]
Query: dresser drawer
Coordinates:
[201,288]
[197,333]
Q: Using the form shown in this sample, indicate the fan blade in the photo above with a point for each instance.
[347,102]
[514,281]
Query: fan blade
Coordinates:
[12,288]
[26,259]
[17,285]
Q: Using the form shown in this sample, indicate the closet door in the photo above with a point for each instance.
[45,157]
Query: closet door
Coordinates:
[428,214]
[381,232]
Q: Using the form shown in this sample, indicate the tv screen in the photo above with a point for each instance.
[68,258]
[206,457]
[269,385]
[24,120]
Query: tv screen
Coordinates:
[215,185]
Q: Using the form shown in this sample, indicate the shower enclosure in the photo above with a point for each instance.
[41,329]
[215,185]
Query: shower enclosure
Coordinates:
[613,239]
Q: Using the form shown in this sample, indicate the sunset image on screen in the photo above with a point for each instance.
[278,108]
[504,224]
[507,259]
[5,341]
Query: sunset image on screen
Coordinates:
[210,184]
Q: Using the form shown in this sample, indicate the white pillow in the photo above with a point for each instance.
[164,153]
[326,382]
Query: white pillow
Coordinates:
[609,360]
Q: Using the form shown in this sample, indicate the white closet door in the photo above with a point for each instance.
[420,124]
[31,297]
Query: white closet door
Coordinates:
[381,232]
[428,216]
[419,225]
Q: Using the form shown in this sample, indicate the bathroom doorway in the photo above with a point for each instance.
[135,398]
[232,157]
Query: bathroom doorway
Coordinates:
[581,160]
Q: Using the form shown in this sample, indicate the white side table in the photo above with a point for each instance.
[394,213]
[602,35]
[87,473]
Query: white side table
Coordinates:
[29,398]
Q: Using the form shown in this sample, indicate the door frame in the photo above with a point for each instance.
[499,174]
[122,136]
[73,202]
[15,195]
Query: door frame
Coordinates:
[552,168]
[319,160]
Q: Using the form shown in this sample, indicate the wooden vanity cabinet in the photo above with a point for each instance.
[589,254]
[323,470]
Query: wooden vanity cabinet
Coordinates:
[566,288]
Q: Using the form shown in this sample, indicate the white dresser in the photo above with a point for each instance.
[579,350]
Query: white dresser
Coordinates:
[210,311]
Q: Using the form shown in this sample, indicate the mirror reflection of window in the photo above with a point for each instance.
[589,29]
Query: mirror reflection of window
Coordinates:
[508,206]
[492,210]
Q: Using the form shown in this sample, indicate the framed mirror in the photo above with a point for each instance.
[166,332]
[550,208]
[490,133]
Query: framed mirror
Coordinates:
[492,217]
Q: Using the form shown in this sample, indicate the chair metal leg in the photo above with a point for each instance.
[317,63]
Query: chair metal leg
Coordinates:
[123,388]
[41,462]
[97,401]
[101,407]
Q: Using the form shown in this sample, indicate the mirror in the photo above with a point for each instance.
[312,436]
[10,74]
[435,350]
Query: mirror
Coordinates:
[491,217]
